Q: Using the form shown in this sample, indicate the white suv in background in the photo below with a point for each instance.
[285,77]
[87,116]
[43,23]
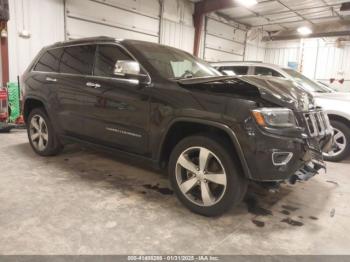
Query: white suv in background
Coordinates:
[336,104]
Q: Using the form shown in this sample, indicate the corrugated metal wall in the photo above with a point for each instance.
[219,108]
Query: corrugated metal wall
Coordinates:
[280,53]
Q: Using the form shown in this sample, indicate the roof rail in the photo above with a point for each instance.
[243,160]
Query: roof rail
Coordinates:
[85,39]
[238,62]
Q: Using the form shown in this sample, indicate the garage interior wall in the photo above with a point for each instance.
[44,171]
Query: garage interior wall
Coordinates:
[117,18]
[170,23]
[255,47]
[44,20]
[224,40]
[318,58]
[177,28]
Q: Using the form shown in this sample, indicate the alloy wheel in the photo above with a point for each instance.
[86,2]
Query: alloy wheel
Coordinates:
[339,144]
[38,133]
[201,176]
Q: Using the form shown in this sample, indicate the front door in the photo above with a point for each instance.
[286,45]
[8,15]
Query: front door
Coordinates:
[117,108]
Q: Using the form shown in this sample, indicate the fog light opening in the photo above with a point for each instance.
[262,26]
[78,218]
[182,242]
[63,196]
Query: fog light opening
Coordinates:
[281,158]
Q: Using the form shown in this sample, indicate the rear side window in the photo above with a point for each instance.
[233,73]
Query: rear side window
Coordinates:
[234,70]
[263,71]
[106,58]
[78,60]
[49,61]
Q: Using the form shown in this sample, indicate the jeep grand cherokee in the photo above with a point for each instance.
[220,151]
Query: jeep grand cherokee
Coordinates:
[214,133]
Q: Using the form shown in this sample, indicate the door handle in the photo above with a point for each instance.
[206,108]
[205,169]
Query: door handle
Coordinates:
[94,85]
[49,79]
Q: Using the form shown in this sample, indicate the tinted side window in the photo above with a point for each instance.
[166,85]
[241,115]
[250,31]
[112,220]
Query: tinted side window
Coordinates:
[234,70]
[49,61]
[106,58]
[263,71]
[78,60]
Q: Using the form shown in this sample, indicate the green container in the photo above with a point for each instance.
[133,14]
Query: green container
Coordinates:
[13,95]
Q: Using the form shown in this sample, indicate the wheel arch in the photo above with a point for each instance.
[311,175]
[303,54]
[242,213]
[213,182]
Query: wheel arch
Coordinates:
[339,118]
[182,127]
[31,103]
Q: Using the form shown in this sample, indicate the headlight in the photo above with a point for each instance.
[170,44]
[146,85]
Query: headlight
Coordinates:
[274,117]
[304,102]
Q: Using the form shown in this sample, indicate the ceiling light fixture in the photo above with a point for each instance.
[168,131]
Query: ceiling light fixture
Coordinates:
[304,30]
[247,3]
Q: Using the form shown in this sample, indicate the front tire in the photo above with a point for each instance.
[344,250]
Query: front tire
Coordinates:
[204,175]
[341,146]
[41,134]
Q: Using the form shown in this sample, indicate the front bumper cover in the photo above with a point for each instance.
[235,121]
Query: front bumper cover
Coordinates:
[306,150]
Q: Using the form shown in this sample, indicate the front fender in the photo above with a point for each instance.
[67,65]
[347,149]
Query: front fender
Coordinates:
[221,126]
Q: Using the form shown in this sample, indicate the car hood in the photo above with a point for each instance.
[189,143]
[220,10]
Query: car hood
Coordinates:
[278,91]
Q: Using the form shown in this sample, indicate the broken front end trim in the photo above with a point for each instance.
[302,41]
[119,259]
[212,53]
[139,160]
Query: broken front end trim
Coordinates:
[307,171]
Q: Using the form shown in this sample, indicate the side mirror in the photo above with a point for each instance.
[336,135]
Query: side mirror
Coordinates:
[127,67]
[131,70]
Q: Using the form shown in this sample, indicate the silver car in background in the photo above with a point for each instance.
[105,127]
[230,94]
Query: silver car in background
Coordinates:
[336,104]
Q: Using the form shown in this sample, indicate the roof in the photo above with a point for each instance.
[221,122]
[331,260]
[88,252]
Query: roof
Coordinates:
[245,63]
[85,40]
[99,39]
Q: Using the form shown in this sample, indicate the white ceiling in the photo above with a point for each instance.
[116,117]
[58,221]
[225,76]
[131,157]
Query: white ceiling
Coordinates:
[273,15]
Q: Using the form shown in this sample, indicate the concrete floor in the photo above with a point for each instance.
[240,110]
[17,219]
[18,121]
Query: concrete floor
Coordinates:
[84,202]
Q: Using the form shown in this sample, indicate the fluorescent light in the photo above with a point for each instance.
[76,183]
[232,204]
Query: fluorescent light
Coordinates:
[304,30]
[247,3]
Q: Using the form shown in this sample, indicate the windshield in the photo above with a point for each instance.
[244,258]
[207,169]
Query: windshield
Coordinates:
[307,83]
[172,63]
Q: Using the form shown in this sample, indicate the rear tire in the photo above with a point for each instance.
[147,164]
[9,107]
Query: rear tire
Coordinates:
[341,147]
[41,134]
[211,183]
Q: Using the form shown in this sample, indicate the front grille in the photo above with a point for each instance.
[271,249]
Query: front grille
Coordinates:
[317,123]
[314,150]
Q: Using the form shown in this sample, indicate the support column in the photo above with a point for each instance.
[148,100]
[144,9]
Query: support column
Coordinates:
[4,56]
[201,9]
[198,20]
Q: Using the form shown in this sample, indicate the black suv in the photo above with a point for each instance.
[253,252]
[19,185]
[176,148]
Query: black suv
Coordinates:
[214,133]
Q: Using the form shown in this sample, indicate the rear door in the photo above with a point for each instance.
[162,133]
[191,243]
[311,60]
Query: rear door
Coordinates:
[76,64]
[45,77]
[118,106]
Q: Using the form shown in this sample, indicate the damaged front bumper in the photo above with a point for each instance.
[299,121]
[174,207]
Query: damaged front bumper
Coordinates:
[307,171]
[286,157]
[320,139]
